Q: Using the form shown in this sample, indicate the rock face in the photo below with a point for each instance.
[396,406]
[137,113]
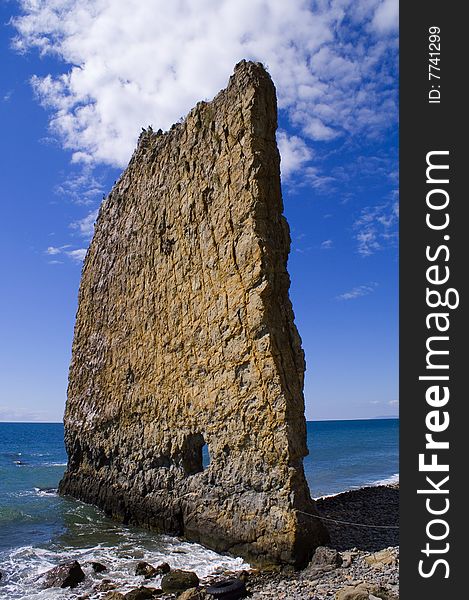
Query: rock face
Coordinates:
[185,337]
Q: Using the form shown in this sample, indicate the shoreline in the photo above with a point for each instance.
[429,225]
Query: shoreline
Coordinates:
[356,556]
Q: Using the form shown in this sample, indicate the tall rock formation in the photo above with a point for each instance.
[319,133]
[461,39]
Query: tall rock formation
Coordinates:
[185,336]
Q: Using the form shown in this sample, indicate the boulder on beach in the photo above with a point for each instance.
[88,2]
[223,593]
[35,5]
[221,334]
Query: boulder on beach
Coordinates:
[381,559]
[365,591]
[179,581]
[114,596]
[354,592]
[142,593]
[106,585]
[145,569]
[68,574]
[324,560]
[98,567]
[163,568]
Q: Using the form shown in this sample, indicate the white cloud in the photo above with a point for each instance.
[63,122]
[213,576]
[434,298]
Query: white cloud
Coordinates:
[138,63]
[82,186]
[327,245]
[318,181]
[393,402]
[294,152]
[377,228]
[53,250]
[77,255]
[386,17]
[85,226]
[358,292]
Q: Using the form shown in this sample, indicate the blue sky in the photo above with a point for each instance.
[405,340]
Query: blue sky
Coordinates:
[80,79]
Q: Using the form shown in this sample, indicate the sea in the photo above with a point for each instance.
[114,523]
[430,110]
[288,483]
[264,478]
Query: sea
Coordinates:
[39,529]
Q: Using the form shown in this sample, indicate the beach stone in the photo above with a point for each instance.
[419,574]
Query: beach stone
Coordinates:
[178,581]
[382,593]
[193,594]
[68,574]
[145,569]
[185,338]
[141,593]
[163,568]
[98,567]
[381,559]
[324,560]
[347,558]
[357,592]
[114,596]
[105,585]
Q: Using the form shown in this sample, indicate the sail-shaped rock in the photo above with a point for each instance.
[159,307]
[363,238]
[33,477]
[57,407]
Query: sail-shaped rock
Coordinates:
[185,350]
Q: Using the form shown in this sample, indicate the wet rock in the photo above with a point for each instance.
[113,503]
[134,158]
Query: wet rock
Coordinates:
[68,574]
[105,585]
[114,596]
[145,569]
[142,593]
[98,567]
[163,568]
[179,581]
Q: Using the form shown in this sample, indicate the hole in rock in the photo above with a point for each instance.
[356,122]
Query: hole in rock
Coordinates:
[195,454]
[205,456]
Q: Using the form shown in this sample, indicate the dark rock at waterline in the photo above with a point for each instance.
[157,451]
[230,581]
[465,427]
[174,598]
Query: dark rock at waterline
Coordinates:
[98,567]
[142,593]
[106,585]
[145,569]
[114,596]
[67,574]
[163,568]
[179,581]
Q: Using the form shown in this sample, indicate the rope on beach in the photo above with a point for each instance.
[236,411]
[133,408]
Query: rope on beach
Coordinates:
[348,522]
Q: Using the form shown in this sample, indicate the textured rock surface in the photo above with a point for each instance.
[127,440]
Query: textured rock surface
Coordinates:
[185,336]
[67,574]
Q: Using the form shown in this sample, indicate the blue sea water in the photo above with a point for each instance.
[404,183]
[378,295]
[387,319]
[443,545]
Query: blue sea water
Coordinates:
[38,529]
[344,455]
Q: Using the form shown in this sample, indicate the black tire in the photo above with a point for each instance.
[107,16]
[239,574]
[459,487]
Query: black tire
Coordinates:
[228,589]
